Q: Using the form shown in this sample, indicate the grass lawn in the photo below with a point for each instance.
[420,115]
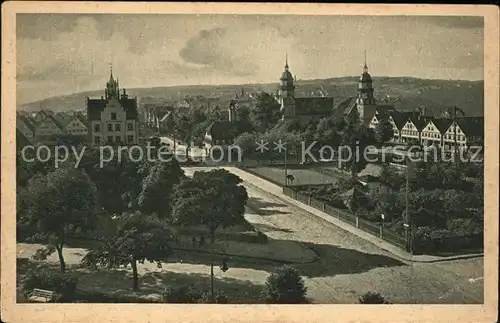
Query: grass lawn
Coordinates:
[104,285]
[303,176]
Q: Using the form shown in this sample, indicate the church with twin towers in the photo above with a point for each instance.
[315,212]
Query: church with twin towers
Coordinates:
[309,108]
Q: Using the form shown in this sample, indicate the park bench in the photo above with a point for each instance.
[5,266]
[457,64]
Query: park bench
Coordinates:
[41,295]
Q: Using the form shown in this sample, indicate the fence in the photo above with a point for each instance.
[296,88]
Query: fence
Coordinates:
[345,216]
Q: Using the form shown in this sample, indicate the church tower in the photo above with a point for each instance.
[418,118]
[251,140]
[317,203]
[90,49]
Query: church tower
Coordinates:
[365,91]
[287,92]
[112,89]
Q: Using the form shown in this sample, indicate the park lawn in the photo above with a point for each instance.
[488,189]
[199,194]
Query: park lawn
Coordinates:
[104,285]
[304,175]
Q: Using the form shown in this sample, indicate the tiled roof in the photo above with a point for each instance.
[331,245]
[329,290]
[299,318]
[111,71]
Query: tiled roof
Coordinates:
[314,106]
[96,106]
[63,118]
[471,126]
[81,117]
[345,106]
[442,124]
[420,122]
[30,123]
[21,139]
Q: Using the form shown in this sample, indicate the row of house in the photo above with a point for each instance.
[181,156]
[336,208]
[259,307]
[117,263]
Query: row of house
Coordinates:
[450,129]
[44,124]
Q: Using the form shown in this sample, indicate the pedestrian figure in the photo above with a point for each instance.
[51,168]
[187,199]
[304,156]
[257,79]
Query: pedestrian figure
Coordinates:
[202,241]
[194,241]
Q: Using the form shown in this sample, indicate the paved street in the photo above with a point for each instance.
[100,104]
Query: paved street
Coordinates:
[349,266]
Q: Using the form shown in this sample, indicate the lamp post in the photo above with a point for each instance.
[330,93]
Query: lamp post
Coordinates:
[382,216]
[286,170]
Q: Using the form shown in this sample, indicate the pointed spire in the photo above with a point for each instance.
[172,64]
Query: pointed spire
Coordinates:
[286,61]
[365,68]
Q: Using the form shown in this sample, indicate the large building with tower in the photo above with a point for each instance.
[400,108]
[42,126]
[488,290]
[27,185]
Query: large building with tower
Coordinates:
[113,119]
[305,109]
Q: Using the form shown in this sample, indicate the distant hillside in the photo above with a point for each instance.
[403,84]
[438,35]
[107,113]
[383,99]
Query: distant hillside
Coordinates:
[435,95]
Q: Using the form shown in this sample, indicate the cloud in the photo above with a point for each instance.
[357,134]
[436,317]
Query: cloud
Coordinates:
[212,49]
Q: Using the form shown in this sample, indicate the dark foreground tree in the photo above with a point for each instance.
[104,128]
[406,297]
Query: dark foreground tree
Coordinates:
[284,286]
[59,205]
[138,238]
[213,199]
[157,188]
[372,298]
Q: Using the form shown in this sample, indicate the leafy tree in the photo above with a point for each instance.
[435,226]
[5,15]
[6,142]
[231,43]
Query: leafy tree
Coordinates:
[60,205]
[372,298]
[383,131]
[158,186]
[213,199]
[356,137]
[284,286]
[265,112]
[328,133]
[138,238]
[247,142]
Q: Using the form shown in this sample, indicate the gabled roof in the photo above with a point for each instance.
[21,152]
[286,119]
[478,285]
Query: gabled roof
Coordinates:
[419,121]
[21,139]
[54,120]
[346,106]
[81,117]
[63,118]
[96,106]
[30,123]
[471,126]
[314,106]
[442,124]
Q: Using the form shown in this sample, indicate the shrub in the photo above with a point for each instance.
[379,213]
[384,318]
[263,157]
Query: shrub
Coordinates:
[219,296]
[181,294]
[372,298]
[284,286]
[63,285]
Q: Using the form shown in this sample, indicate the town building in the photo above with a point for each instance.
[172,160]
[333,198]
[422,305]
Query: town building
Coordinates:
[26,125]
[48,127]
[433,132]
[465,132]
[113,119]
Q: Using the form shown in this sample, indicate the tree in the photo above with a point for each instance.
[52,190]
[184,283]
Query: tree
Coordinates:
[384,131]
[372,298]
[138,238]
[213,199]
[247,142]
[356,137]
[284,286]
[60,204]
[158,186]
[265,113]
[327,132]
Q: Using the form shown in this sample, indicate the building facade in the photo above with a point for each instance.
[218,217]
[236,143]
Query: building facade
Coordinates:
[113,119]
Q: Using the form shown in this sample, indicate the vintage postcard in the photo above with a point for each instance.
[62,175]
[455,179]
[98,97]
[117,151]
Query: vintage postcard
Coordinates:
[190,162]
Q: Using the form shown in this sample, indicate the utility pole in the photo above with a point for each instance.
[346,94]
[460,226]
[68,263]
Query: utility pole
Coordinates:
[286,170]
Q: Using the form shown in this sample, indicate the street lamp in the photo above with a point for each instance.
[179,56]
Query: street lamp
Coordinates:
[382,216]
[223,266]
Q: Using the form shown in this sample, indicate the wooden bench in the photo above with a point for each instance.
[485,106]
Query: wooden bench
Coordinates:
[41,295]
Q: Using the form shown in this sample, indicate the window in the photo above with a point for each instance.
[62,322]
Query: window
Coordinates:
[118,139]
[130,127]
[110,127]
[97,128]
[113,115]
[118,127]
[97,139]
[130,139]
[110,139]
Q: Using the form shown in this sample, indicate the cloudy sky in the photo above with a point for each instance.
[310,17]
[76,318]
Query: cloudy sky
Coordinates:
[67,53]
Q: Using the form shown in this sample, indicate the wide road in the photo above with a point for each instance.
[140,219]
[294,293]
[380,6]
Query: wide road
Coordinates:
[350,266]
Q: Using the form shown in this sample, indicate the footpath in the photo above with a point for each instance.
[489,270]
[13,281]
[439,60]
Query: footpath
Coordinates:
[277,191]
